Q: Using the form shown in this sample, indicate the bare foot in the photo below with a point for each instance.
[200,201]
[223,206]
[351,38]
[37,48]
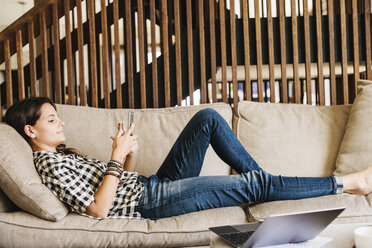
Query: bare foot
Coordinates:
[358,183]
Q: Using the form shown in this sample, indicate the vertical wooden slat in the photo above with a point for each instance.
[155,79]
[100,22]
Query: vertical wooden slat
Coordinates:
[258,49]
[134,45]
[111,52]
[271,50]
[248,91]
[332,52]
[307,52]
[146,45]
[92,51]
[128,53]
[21,79]
[190,52]
[296,81]
[233,52]
[283,56]
[177,27]
[105,61]
[57,68]
[44,56]
[142,54]
[367,14]
[119,102]
[70,71]
[223,50]
[344,52]
[355,44]
[318,20]
[8,74]
[165,50]
[170,10]
[31,34]
[212,33]
[203,85]
[154,64]
[83,100]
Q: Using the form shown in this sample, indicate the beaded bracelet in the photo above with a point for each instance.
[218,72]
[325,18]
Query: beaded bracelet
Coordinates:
[113,169]
[110,164]
[113,161]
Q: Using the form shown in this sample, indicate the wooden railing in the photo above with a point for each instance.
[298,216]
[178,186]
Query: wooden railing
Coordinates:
[215,50]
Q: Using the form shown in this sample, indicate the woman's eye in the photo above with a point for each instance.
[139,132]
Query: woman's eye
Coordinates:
[51,120]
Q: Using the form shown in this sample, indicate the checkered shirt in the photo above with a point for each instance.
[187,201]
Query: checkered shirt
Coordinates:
[74,180]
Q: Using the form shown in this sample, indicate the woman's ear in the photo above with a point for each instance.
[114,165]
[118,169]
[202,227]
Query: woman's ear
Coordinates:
[29,131]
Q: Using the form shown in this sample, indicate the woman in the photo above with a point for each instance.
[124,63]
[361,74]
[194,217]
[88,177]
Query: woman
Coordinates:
[94,188]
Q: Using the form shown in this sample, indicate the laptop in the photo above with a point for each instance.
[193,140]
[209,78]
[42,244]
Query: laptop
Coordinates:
[278,229]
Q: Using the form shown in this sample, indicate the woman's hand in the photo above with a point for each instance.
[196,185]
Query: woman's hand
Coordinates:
[124,142]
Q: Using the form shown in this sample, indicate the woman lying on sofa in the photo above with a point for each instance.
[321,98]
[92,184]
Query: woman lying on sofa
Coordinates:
[113,189]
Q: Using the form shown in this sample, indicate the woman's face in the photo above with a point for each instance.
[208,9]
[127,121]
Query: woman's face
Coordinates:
[47,133]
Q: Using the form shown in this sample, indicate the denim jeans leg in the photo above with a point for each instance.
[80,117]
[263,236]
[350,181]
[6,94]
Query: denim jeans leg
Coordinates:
[186,157]
[165,198]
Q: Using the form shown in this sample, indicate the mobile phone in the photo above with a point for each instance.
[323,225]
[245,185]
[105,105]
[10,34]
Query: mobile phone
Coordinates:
[130,119]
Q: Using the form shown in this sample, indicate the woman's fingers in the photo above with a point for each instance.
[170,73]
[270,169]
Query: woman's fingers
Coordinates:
[119,132]
[131,128]
[122,131]
[123,126]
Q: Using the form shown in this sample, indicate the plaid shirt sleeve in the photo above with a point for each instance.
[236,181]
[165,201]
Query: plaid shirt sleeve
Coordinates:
[60,175]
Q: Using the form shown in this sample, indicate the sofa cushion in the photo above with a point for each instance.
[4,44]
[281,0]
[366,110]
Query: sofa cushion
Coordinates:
[292,139]
[6,205]
[356,148]
[89,130]
[20,181]
[357,207]
[23,230]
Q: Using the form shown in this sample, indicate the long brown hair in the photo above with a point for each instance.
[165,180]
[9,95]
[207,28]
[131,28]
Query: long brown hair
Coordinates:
[27,112]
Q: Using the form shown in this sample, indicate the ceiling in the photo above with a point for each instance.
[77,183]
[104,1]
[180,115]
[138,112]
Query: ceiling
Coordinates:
[11,10]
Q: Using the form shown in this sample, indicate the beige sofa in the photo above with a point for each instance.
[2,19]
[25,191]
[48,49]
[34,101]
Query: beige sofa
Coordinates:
[285,139]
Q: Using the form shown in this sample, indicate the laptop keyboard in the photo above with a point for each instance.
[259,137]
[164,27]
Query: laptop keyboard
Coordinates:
[237,238]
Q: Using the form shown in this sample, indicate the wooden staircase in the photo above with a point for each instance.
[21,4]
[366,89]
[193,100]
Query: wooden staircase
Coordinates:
[156,53]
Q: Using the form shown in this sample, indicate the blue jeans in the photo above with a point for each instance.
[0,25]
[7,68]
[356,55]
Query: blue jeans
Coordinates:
[177,188]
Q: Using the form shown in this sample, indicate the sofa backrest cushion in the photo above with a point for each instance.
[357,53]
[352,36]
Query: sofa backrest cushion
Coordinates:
[292,139]
[89,130]
[356,148]
[20,181]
